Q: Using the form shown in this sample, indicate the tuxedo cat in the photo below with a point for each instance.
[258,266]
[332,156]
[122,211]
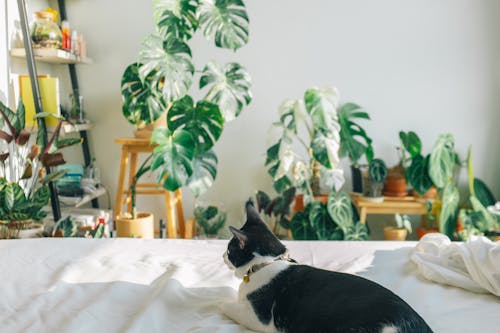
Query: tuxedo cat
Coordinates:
[279,295]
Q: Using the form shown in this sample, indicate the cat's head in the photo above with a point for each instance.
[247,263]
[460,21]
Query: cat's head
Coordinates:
[254,243]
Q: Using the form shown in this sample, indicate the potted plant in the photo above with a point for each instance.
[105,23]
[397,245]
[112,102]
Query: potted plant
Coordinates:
[210,219]
[159,82]
[23,192]
[377,172]
[401,230]
[331,221]
[308,144]
[354,142]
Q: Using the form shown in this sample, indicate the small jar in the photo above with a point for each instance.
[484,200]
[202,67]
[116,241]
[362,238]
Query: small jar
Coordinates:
[45,32]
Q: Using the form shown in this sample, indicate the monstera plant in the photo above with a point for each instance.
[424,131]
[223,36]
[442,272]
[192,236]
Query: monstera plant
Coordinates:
[307,148]
[23,193]
[159,84]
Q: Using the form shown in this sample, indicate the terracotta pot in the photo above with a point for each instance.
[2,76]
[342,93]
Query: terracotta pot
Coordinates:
[429,195]
[141,227]
[147,131]
[299,202]
[421,232]
[395,183]
[392,233]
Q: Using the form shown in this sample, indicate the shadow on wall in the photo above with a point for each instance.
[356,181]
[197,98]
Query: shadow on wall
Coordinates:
[492,23]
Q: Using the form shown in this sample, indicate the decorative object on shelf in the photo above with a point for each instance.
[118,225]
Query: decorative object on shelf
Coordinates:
[45,32]
[317,158]
[210,219]
[68,227]
[354,142]
[331,221]
[401,230]
[23,192]
[159,82]
[377,172]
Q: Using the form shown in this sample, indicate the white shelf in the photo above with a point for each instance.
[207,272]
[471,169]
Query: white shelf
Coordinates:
[53,56]
[80,201]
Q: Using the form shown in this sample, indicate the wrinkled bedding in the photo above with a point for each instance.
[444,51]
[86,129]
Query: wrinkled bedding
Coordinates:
[132,285]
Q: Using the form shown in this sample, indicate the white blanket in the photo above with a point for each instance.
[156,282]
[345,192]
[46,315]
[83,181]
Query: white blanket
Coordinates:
[473,265]
[174,286]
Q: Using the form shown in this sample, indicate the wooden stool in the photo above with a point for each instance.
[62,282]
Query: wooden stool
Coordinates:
[131,147]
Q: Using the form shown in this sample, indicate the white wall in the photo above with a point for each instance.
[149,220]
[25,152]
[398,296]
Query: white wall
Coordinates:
[428,66]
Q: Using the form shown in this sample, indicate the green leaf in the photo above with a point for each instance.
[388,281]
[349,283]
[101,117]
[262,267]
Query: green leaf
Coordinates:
[99,232]
[490,221]
[354,142]
[230,87]
[442,160]
[339,208]
[54,176]
[357,232]
[142,98]
[291,114]
[321,104]
[227,20]
[321,221]
[325,150]
[449,207]
[483,193]
[167,63]
[20,115]
[176,19]
[272,154]
[204,172]
[172,157]
[41,196]
[300,226]
[411,142]
[9,118]
[68,142]
[377,170]
[417,174]
[13,196]
[204,122]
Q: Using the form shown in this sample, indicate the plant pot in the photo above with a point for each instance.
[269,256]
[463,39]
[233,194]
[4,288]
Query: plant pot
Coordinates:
[298,205]
[18,229]
[147,131]
[374,192]
[421,231]
[141,227]
[392,233]
[357,179]
[395,183]
[429,195]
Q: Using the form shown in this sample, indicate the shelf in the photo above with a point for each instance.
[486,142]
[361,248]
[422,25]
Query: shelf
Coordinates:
[53,56]
[67,128]
[80,201]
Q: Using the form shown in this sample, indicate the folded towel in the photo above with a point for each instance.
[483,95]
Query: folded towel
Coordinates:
[473,265]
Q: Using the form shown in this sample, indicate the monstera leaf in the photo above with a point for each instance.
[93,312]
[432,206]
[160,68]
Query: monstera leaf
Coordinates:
[354,142]
[449,206]
[203,121]
[417,174]
[442,160]
[291,114]
[176,19]
[142,99]
[339,208]
[321,104]
[325,150]
[227,20]
[172,157]
[204,172]
[230,87]
[168,64]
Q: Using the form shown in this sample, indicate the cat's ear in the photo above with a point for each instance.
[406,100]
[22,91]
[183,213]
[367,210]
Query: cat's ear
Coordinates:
[253,216]
[240,235]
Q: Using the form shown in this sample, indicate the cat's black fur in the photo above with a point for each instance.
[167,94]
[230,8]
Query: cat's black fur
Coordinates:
[306,299]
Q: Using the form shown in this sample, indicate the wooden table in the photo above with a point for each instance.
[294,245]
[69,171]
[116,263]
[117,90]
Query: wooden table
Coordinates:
[390,205]
[131,148]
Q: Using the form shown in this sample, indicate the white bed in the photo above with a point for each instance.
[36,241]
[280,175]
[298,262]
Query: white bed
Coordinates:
[131,285]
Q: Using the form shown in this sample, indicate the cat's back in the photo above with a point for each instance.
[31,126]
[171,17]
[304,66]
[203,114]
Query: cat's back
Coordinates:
[306,299]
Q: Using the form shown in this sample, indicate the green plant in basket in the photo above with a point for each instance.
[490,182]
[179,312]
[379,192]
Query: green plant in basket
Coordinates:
[23,193]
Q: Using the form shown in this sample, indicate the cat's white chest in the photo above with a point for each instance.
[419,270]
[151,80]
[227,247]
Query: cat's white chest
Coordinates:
[261,278]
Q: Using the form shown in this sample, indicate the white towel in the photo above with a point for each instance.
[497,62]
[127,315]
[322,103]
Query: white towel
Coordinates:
[473,265]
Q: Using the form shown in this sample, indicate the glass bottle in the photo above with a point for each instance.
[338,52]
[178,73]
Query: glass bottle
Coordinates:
[45,32]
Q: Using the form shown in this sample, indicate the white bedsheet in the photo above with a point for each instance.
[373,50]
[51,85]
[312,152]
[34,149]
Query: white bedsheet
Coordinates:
[132,285]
